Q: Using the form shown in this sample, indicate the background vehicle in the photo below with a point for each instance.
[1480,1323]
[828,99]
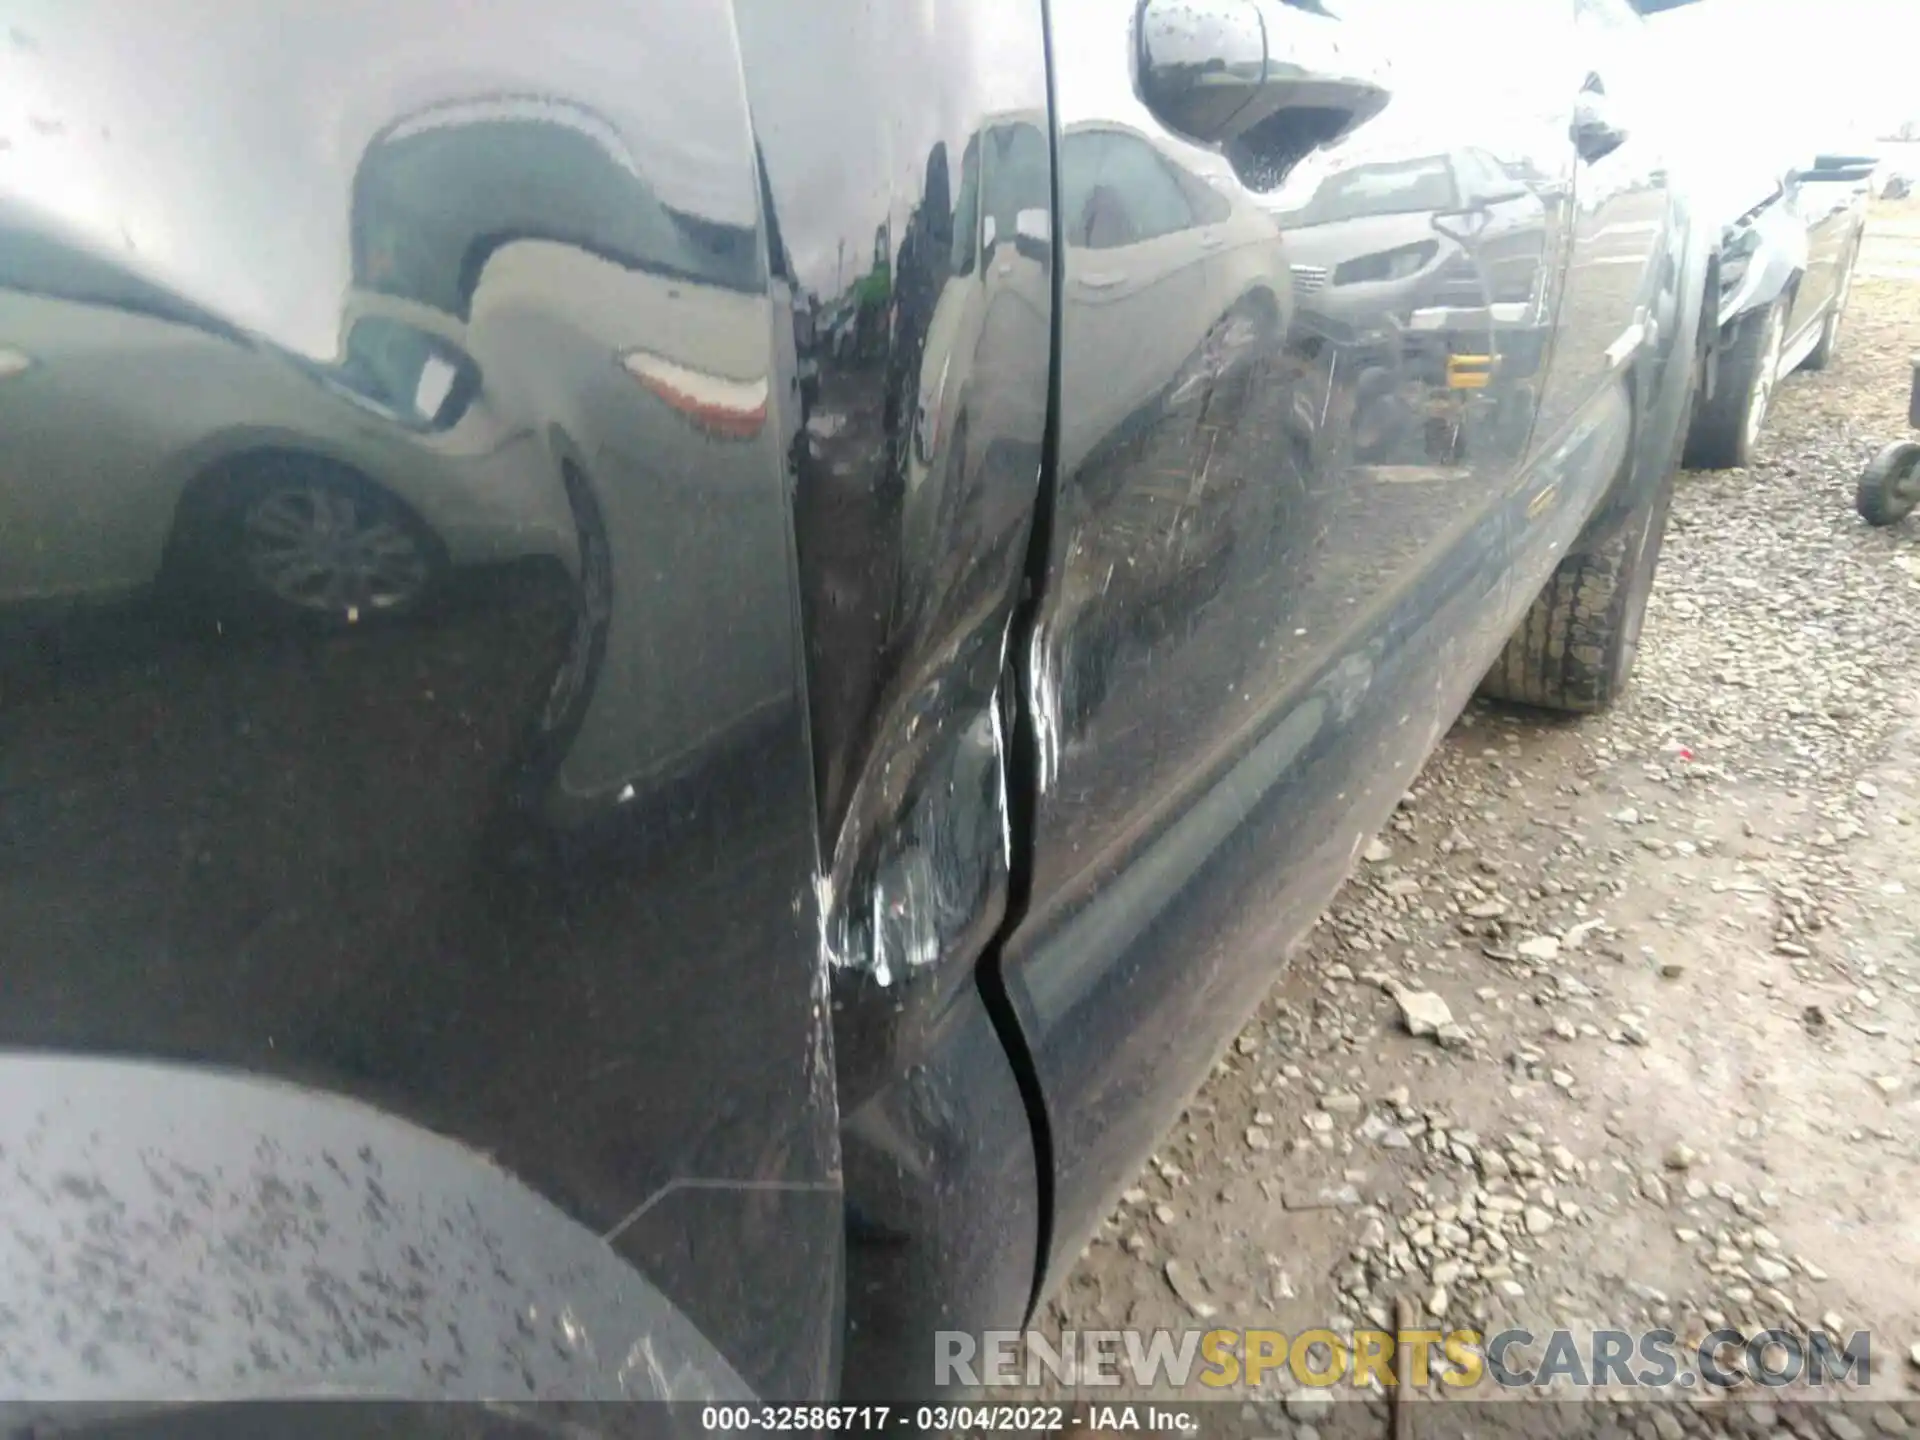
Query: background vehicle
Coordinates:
[1378,219]
[1786,262]
[766,917]
[325,487]
[1788,220]
[1440,268]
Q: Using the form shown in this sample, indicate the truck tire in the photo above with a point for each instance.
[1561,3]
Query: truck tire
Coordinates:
[1575,647]
[1726,428]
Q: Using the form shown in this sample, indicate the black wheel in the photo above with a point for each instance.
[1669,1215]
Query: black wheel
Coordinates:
[1822,354]
[304,536]
[1890,486]
[1726,428]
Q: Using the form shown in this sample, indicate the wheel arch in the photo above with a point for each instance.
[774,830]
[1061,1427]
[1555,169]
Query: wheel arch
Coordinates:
[187,1230]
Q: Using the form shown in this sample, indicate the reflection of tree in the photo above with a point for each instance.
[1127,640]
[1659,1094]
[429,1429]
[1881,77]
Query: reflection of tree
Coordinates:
[871,293]
[914,548]
[926,248]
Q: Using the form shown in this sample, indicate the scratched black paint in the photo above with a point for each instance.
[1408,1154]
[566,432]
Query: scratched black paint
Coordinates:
[733,630]
[906,155]
[1328,417]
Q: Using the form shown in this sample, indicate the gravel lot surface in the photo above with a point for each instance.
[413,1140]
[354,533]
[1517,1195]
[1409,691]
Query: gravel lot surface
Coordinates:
[1681,947]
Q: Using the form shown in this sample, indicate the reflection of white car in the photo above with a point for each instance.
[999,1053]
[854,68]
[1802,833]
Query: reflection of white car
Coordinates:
[1160,261]
[347,484]
[126,415]
[1179,282]
[995,295]
[661,389]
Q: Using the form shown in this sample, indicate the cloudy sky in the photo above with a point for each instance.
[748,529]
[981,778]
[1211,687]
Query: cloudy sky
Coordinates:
[1844,70]
[213,146]
[156,147]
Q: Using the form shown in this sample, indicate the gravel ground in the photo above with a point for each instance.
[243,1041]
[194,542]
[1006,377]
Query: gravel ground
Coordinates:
[1681,947]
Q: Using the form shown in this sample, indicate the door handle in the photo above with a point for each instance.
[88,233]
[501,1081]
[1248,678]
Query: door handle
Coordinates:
[1254,75]
[1596,132]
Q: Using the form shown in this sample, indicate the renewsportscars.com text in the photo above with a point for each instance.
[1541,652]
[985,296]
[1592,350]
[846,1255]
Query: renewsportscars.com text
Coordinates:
[1463,1359]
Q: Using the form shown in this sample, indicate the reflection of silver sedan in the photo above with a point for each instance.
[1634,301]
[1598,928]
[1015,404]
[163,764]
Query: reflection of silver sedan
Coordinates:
[1179,282]
[669,490]
[994,294]
[1163,265]
[1448,230]
[210,458]
[212,468]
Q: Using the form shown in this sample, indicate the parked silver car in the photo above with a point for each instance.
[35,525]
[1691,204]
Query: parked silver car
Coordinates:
[1786,271]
